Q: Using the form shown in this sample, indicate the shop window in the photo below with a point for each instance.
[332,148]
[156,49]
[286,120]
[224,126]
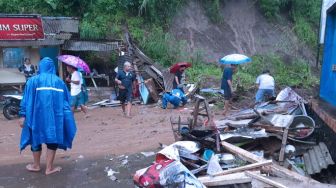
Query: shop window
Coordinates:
[12,57]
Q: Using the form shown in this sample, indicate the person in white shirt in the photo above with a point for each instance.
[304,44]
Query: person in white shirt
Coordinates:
[77,95]
[266,85]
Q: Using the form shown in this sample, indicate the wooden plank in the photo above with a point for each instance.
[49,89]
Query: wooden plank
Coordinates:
[196,111]
[152,89]
[265,180]
[276,169]
[229,179]
[248,156]
[243,168]
[283,145]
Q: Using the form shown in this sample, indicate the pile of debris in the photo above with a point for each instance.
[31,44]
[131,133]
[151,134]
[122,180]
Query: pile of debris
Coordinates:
[266,145]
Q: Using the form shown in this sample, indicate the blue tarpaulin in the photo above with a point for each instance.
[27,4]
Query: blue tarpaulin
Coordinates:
[328,75]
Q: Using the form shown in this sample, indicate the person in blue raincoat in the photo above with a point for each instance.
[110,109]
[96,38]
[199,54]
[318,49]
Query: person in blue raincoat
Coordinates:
[175,97]
[46,116]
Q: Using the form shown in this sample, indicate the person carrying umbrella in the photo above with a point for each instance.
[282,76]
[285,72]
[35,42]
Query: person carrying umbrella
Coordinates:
[46,116]
[230,62]
[77,91]
[227,86]
[77,95]
[178,71]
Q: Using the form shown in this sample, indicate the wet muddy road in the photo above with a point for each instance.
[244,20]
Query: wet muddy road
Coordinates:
[99,142]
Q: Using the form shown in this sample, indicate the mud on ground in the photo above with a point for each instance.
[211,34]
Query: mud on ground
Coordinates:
[100,139]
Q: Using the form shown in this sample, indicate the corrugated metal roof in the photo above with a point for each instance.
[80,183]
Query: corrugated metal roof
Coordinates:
[168,79]
[317,158]
[60,24]
[45,42]
[90,46]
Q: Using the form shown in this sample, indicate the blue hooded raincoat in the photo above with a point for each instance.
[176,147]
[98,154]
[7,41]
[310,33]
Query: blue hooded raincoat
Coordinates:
[46,108]
[175,97]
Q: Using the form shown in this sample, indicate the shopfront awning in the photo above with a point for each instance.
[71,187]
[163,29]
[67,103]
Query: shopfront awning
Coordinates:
[11,77]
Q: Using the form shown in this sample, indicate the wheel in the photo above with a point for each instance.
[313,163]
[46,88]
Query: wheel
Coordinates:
[11,111]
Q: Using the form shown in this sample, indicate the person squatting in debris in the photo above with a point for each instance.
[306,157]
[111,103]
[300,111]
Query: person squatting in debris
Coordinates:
[177,82]
[227,86]
[126,79]
[76,89]
[265,83]
[46,116]
[175,97]
[27,68]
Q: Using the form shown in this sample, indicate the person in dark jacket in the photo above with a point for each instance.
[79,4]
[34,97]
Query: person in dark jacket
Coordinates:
[178,78]
[46,116]
[27,68]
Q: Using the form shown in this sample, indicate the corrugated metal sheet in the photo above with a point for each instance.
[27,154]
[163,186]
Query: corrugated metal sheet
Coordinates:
[317,158]
[90,46]
[168,79]
[60,24]
[45,42]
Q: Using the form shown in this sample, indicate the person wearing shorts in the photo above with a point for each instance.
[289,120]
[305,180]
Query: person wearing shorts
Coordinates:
[125,80]
[46,117]
[226,85]
[77,95]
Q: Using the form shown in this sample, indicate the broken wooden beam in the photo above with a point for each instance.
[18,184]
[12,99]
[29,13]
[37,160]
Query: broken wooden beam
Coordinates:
[275,169]
[283,145]
[152,89]
[229,179]
[243,168]
[264,179]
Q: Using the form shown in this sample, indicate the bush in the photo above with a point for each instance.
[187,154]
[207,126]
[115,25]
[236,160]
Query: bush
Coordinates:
[212,9]
[270,8]
[305,31]
[296,73]
[162,47]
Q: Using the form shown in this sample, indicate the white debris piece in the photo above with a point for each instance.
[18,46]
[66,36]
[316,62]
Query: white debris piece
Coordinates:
[148,153]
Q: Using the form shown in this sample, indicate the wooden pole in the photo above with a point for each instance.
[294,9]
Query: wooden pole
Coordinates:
[243,168]
[276,169]
[265,180]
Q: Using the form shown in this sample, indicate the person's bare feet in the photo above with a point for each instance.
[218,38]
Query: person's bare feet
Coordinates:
[33,168]
[53,170]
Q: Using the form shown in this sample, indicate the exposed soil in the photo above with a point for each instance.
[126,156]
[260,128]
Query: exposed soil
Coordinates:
[243,29]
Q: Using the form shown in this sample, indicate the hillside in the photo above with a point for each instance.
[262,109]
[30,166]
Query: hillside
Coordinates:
[242,29]
[279,35]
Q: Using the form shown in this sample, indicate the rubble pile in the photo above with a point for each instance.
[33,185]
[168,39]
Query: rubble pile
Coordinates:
[268,145]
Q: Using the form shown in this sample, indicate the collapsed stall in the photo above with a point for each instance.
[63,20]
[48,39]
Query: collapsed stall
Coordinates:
[268,144]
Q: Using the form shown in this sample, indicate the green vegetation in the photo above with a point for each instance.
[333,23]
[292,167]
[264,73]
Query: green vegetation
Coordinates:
[212,9]
[148,21]
[270,7]
[305,15]
[295,73]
